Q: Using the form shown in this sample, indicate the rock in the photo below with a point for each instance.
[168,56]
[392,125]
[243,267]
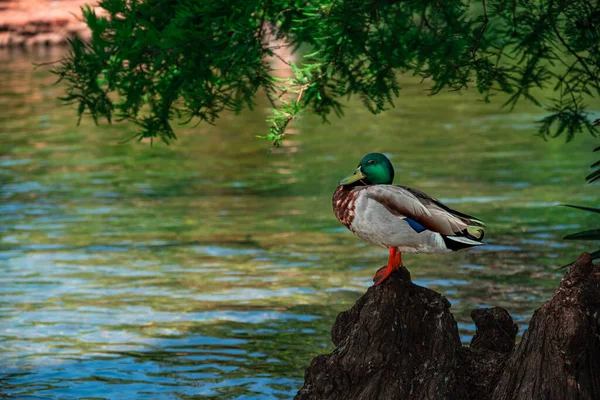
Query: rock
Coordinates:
[495,330]
[559,356]
[400,341]
[378,341]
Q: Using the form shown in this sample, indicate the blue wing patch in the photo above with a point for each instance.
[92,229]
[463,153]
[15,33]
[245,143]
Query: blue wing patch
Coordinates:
[415,225]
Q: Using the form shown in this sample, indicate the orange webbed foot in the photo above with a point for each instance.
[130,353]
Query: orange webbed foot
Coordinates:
[382,274]
[394,262]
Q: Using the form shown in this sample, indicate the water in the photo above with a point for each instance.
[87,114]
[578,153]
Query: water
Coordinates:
[212,268]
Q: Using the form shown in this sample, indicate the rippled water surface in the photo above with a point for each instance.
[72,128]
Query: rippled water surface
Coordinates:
[213,268]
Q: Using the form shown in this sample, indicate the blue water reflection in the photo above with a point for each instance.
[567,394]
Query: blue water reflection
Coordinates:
[212,269]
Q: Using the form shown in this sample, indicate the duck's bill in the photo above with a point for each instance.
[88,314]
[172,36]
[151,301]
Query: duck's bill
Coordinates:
[356,176]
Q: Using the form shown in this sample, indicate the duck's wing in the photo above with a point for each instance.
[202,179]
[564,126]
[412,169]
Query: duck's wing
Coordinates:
[424,209]
[432,203]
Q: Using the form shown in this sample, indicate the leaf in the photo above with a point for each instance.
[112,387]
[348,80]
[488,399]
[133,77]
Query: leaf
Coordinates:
[594,210]
[592,234]
[593,177]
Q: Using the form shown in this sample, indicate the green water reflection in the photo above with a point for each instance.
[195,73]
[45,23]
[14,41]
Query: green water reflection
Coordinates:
[212,268]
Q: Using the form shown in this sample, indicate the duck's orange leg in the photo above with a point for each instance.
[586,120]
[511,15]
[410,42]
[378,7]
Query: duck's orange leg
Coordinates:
[394,262]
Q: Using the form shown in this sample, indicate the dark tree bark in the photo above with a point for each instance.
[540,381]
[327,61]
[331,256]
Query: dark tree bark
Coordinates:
[400,341]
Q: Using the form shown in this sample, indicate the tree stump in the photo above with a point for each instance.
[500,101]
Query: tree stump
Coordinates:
[400,341]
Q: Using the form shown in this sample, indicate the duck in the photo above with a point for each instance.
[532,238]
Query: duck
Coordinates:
[399,218]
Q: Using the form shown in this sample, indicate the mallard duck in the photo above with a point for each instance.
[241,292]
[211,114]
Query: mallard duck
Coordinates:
[400,218]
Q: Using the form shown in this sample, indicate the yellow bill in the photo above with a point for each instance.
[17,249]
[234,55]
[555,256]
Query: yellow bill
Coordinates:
[356,176]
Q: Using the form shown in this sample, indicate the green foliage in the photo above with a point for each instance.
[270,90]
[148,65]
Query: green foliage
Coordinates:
[193,59]
[165,61]
[592,234]
[594,176]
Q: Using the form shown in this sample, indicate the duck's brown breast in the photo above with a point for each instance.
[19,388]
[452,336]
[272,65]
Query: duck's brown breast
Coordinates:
[343,204]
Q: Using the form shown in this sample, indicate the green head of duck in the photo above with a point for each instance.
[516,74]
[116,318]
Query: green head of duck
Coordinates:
[373,169]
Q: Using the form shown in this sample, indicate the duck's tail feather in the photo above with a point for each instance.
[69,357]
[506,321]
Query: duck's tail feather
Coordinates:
[463,240]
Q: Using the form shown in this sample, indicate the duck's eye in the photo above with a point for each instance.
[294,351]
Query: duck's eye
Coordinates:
[370,162]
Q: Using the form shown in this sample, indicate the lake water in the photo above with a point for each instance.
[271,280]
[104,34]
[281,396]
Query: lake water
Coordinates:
[213,268]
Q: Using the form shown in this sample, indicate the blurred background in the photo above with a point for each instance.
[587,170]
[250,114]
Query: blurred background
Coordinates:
[215,267]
